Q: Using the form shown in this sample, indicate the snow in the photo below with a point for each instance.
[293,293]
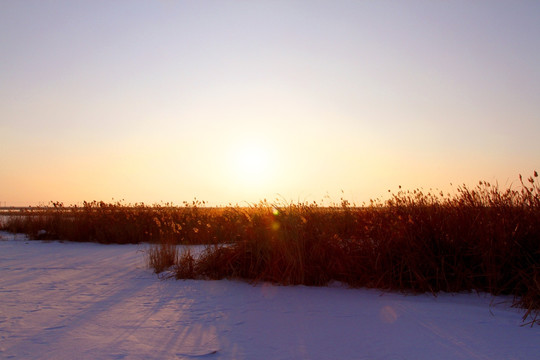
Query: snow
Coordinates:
[91,301]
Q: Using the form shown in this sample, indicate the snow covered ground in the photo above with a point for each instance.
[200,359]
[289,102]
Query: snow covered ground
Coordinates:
[90,301]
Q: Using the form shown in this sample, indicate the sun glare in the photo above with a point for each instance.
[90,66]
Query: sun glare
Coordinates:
[252,163]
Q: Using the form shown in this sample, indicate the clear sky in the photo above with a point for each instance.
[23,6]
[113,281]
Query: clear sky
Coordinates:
[236,101]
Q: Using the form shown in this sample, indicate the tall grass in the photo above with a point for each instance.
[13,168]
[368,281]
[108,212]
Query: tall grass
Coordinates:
[126,223]
[161,257]
[480,239]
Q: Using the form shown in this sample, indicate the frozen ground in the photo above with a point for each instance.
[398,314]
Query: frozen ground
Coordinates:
[91,301]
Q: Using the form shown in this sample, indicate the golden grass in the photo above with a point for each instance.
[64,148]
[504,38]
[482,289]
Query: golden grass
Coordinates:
[162,256]
[481,239]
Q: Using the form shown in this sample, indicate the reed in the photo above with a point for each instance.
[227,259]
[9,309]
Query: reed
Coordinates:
[480,239]
[162,256]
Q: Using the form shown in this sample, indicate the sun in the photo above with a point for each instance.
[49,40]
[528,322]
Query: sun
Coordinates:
[252,163]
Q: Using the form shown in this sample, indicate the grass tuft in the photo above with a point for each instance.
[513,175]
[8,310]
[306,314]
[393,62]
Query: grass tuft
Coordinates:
[161,257]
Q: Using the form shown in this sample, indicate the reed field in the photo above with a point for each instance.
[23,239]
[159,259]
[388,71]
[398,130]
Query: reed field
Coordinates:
[484,239]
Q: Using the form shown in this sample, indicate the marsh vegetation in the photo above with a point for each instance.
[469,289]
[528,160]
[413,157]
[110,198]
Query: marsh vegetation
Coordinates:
[479,239]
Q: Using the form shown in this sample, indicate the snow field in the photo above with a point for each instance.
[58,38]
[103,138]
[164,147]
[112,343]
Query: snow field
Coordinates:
[91,301]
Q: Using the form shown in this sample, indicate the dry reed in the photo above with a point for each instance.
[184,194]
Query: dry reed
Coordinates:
[480,239]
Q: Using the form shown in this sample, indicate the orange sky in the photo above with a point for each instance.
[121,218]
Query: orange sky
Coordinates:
[235,101]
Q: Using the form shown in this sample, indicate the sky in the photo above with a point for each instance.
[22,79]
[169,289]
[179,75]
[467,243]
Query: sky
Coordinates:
[238,101]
